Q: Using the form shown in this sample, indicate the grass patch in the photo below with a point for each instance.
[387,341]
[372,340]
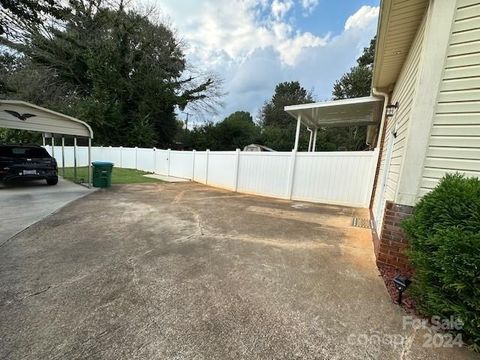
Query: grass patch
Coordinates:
[119,176]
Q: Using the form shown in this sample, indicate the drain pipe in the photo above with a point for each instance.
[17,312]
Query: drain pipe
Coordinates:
[386,98]
[310,141]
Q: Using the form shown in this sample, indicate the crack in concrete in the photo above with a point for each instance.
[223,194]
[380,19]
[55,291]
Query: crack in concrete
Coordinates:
[17,298]
[407,346]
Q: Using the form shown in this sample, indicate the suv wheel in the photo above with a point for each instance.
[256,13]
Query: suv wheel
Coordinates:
[52,181]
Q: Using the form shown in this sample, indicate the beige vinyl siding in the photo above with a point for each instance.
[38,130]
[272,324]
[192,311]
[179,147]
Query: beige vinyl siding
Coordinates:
[454,143]
[404,93]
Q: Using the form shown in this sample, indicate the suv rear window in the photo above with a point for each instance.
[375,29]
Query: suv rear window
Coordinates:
[23,152]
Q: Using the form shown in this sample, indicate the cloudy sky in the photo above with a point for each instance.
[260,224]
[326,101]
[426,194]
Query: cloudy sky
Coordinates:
[255,44]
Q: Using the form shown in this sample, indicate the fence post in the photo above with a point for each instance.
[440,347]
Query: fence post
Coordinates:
[168,158]
[237,166]
[110,154]
[154,160]
[193,165]
[206,164]
[121,157]
[291,174]
[136,158]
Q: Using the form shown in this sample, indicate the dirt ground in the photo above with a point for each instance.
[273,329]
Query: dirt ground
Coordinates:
[184,271]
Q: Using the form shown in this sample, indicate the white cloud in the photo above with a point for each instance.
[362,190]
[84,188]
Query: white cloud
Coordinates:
[309,5]
[362,18]
[254,52]
[281,8]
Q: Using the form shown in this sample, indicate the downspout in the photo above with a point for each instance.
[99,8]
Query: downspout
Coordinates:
[310,141]
[386,99]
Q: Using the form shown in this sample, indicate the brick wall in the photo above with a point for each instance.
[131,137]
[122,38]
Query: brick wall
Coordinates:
[392,242]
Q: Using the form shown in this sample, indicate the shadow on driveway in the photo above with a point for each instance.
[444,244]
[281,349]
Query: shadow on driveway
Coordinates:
[184,271]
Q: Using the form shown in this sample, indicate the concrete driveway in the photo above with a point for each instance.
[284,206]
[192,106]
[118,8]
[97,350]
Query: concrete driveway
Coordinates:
[24,204]
[183,271]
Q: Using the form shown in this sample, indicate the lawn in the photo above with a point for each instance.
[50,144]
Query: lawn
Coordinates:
[119,176]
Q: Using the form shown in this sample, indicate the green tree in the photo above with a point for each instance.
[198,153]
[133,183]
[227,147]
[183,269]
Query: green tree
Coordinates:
[278,126]
[16,15]
[286,93]
[355,83]
[118,71]
[234,132]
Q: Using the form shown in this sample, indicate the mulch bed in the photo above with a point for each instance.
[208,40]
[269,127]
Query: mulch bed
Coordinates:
[388,273]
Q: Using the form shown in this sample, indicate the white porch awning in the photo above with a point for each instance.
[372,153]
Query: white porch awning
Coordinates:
[348,112]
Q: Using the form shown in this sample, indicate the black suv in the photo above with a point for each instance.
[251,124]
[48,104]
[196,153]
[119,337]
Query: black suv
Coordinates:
[21,162]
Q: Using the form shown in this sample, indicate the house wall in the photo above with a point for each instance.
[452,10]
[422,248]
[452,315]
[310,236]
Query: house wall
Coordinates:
[403,93]
[443,129]
[454,143]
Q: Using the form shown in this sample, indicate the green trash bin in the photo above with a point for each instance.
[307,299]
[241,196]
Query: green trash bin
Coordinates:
[102,174]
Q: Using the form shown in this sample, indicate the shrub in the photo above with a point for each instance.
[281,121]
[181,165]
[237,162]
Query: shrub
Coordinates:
[444,234]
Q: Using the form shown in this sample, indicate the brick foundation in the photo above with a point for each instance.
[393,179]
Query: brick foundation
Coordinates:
[392,242]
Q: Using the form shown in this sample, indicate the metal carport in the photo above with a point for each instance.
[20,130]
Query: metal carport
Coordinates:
[21,115]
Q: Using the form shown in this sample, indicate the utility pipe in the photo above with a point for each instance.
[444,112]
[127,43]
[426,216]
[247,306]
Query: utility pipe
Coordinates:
[310,141]
[386,98]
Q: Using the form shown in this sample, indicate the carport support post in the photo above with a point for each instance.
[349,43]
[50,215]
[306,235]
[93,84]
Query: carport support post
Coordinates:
[297,134]
[63,156]
[89,167]
[75,159]
[53,145]
[315,140]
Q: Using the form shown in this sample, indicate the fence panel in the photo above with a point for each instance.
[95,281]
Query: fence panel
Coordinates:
[343,178]
[264,173]
[145,159]
[114,155]
[221,169]
[181,164]
[200,172]
[129,158]
[334,177]
[161,162]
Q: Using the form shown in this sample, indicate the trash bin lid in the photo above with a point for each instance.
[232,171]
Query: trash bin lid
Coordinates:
[102,163]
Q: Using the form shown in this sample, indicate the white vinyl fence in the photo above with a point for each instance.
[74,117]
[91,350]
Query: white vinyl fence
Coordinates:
[343,178]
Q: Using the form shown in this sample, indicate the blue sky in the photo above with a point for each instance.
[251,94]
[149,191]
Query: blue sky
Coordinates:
[255,44]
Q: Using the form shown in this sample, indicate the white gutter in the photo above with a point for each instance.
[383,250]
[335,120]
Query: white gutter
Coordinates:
[382,120]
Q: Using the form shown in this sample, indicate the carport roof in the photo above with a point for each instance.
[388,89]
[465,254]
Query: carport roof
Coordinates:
[15,114]
[357,111]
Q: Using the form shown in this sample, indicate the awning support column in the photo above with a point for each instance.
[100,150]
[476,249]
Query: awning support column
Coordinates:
[314,140]
[297,134]
[310,139]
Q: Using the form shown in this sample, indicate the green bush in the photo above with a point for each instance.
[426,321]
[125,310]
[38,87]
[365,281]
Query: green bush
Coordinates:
[444,234]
